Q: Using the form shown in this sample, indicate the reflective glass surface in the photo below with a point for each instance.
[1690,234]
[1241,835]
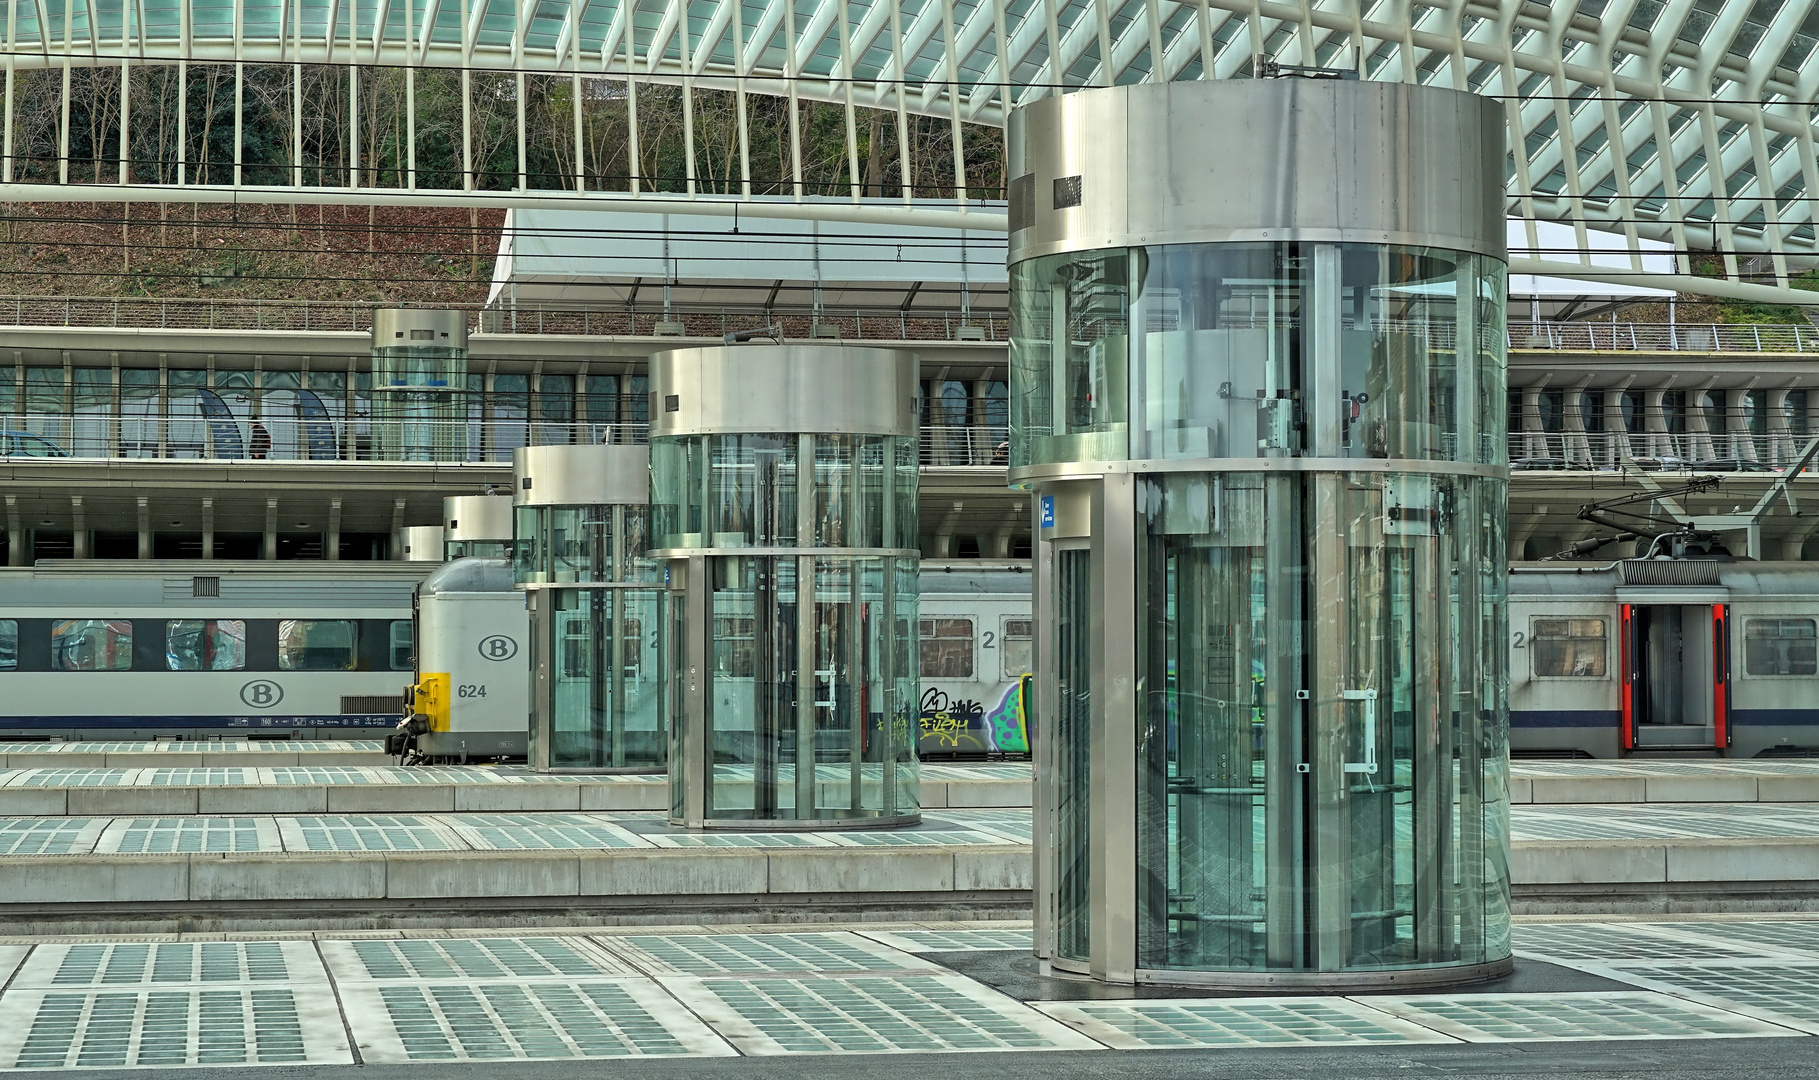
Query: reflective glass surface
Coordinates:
[741,491]
[572,544]
[604,683]
[1404,863]
[1206,351]
[811,713]
[206,644]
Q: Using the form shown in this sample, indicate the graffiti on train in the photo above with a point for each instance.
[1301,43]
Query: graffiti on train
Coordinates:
[955,726]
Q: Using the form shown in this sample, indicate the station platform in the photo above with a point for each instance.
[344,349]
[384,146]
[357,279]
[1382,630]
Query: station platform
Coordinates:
[372,870]
[335,777]
[1710,992]
[314,788]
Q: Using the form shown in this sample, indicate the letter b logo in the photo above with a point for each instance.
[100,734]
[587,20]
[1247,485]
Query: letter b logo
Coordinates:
[261,694]
[498,647]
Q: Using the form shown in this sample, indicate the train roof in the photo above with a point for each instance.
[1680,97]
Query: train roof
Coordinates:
[1643,577]
[974,577]
[471,575]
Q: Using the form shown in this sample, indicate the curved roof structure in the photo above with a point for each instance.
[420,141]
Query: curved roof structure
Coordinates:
[1683,121]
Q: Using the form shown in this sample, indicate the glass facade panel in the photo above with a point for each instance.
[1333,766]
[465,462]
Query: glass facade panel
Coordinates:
[575,544]
[730,491]
[1073,752]
[205,644]
[607,679]
[1219,369]
[91,645]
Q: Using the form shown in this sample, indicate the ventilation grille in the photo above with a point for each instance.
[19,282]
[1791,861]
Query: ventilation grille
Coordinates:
[370,703]
[1667,572]
[205,586]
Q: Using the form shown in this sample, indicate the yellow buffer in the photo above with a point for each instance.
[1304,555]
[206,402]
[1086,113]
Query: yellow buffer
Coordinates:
[430,696]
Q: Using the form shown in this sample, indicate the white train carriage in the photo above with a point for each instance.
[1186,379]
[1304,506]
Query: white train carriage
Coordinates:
[976,646]
[198,650]
[472,683]
[1664,654]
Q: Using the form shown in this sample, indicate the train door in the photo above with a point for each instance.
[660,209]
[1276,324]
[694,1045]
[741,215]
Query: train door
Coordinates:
[1676,676]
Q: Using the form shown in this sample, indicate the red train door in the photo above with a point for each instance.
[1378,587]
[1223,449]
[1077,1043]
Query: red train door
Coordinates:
[1721,675]
[1630,669]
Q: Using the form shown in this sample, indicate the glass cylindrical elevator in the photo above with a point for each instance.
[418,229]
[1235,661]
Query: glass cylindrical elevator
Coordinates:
[596,605]
[783,495]
[1257,379]
[419,372]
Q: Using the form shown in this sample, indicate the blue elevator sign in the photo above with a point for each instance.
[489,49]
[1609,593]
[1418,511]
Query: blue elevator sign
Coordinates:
[1048,511]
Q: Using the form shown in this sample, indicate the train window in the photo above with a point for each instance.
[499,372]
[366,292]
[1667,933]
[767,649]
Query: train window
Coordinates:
[92,645]
[9,644]
[1016,653]
[735,646]
[947,648]
[1568,648]
[1780,647]
[401,642]
[205,644]
[315,645]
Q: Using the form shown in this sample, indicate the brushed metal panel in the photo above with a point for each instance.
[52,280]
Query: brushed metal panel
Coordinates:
[581,475]
[1231,161]
[764,389]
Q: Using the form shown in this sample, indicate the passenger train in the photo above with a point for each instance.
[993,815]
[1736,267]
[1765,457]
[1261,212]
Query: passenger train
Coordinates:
[190,650]
[310,650]
[1635,655]
[1658,654]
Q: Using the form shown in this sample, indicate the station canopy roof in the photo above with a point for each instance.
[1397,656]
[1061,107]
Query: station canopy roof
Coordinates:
[742,260]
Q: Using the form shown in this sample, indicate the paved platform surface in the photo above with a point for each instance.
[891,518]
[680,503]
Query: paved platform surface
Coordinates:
[344,777]
[240,871]
[315,788]
[684,992]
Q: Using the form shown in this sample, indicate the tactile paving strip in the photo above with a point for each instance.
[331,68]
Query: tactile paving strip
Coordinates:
[1287,1021]
[41,1029]
[432,774]
[528,832]
[737,840]
[74,778]
[199,777]
[317,774]
[50,836]
[141,836]
[920,941]
[1612,941]
[1797,936]
[470,958]
[171,963]
[916,839]
[1781,993]
[456,1021]
[761,954]
[1596,1015]
[870,1014]
[364,832]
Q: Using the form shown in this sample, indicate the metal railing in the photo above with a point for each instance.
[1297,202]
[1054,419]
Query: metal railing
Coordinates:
[281,438]
[1652,451]
[1665,337]
[385,439]
[633,320]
